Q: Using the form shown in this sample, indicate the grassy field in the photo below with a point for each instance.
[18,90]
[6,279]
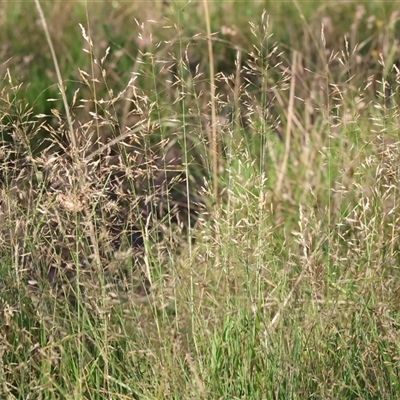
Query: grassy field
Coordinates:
[199,200]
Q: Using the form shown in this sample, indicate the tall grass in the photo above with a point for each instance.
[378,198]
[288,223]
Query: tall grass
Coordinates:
[121,275]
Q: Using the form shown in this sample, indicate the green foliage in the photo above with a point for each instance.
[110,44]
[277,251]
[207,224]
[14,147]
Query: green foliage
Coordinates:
[122,276]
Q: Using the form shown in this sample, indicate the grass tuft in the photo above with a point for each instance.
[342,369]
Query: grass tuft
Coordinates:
[199,209]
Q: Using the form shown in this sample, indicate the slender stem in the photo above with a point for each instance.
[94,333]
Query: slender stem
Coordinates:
[60,82]
[214,138]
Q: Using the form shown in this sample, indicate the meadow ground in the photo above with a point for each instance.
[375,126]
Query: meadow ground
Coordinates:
[199,200]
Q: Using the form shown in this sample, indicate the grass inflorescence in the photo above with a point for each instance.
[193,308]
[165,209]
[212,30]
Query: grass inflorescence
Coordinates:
[171,228]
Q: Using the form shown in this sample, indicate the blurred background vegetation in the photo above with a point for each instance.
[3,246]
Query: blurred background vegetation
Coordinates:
[165,30]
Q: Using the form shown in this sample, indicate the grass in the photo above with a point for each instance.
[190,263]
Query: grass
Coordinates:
[240,243]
